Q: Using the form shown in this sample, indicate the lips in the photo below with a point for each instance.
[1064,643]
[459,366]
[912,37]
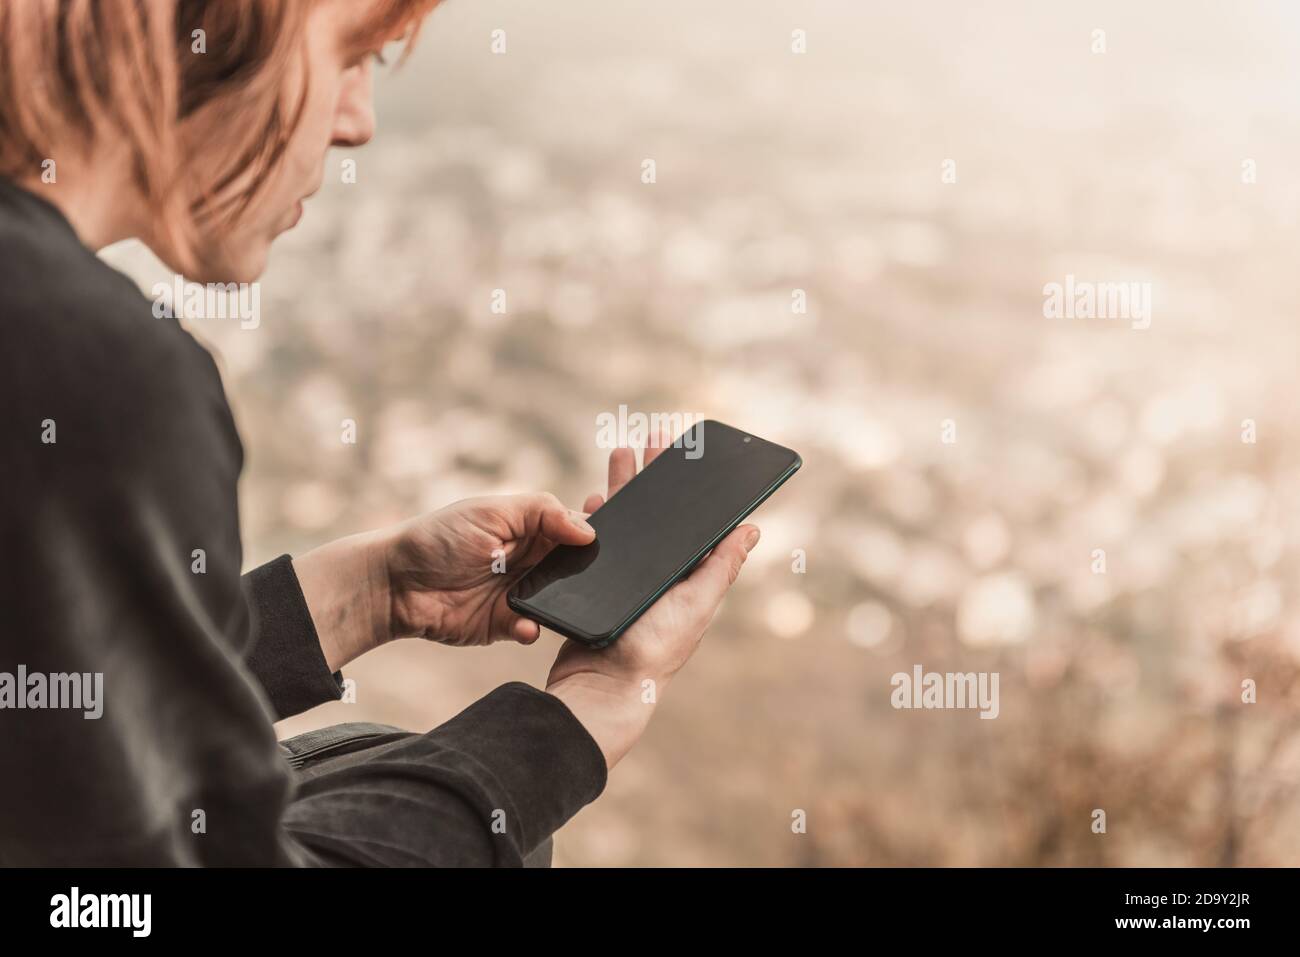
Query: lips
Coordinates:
[297,209]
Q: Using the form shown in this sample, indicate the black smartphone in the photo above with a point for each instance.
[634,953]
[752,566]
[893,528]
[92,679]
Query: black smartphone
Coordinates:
[653,532]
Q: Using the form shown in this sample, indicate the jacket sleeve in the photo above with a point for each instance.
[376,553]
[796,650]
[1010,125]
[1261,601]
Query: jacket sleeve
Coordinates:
[286,656]
[483,789]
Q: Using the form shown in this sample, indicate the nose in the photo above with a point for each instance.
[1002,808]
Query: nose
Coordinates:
[354,120]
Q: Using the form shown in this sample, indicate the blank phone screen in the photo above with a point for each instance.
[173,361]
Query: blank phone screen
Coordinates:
[654,527]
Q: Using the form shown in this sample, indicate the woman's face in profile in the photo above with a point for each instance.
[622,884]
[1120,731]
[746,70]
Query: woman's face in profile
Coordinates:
[338,111]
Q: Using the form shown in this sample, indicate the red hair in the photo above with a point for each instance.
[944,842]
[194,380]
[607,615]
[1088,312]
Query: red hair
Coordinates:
[75,71]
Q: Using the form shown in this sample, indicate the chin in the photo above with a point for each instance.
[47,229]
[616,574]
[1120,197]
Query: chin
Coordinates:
[232,257]
[237,265]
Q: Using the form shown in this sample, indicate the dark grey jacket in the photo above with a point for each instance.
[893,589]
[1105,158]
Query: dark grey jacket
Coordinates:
[118,459]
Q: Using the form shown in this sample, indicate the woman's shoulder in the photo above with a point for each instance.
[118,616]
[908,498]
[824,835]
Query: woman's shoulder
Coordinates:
[81,347]
[59,300]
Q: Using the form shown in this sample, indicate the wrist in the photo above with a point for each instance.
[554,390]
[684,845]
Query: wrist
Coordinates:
[346,585]
[615,712]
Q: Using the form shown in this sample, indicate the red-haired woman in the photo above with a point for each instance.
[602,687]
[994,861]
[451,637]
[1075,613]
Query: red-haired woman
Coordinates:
[120,460]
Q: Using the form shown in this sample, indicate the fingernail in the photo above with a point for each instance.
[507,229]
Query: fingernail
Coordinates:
[751,540]
[580,523]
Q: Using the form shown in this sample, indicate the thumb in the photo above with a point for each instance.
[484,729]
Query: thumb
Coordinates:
[719,571]
[562,524]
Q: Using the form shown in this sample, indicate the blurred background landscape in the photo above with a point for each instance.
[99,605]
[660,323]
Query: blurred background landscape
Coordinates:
[824,172]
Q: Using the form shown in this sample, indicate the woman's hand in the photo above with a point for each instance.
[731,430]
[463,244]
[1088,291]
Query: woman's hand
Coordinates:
[442,576]
[449,571]
[613,690]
